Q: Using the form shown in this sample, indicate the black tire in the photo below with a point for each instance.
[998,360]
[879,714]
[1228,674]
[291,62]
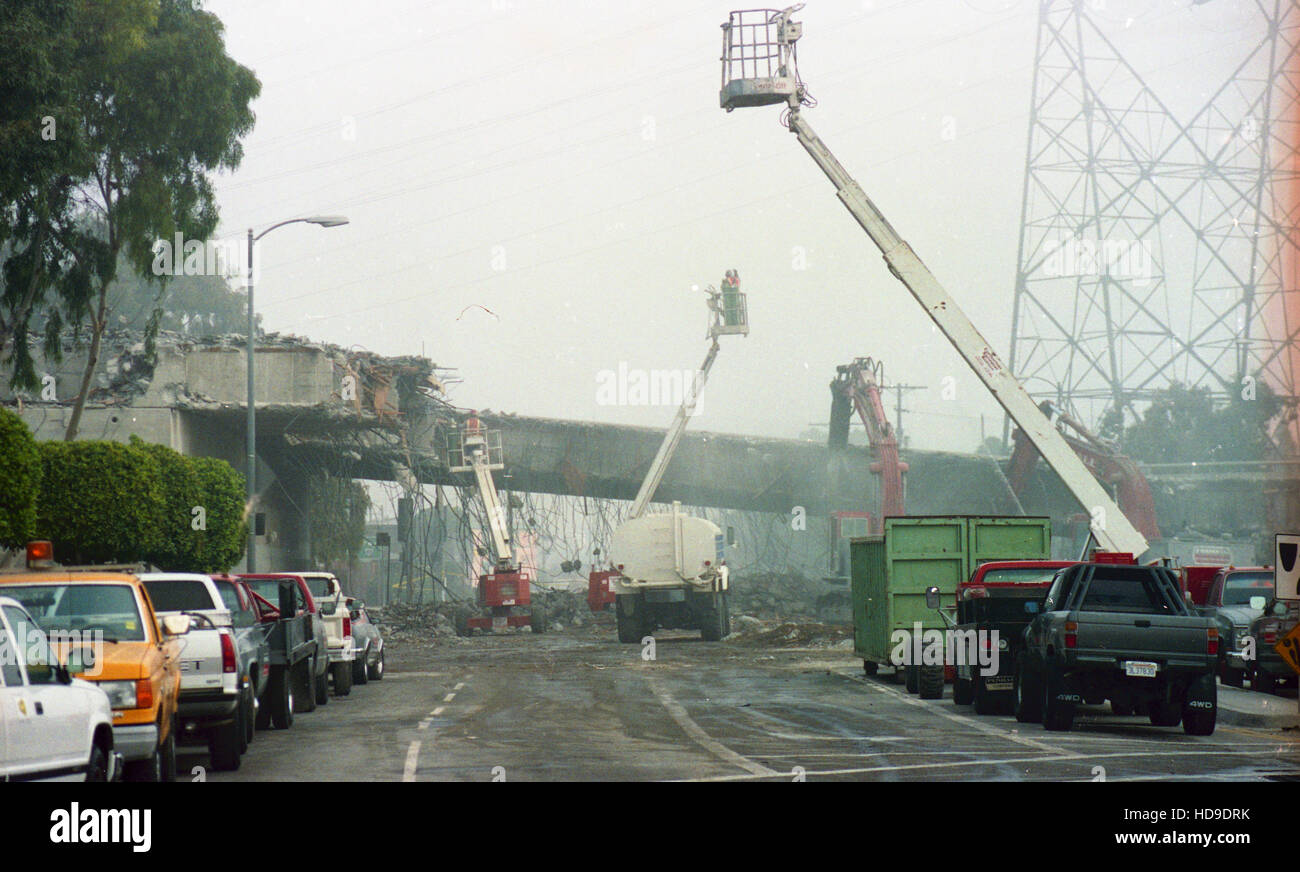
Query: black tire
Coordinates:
[1199,721]
[246,707]
[713,619]
[301,676]
[1164,714]
[97,767]
[359,673]
[280,698]
[631,621]
[169,755]
[376,671]
[149,770]
[987,702]
[1263,681]
[1027,700]
[263,718]
[1122,709]
[912,678]
[1234,677]
[963,691]
[870,667]
[342,678]
[898,676]
[223,745]
[726,615]
[537,619]
[1058,714]
[930,682]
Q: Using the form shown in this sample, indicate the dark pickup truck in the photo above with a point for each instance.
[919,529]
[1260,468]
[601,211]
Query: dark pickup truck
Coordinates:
[298,654]
[1123,633]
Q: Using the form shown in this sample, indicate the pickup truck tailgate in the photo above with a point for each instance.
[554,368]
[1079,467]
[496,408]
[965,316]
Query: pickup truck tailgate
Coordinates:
[1168,640]
[201,668]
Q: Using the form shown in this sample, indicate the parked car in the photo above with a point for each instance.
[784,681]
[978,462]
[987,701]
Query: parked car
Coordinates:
[140,667]
[1236,598]
[369,664]
[299,650]
[1123,633]
[217,697]
[1268,669]
[53,727]
[328,594]
[252,627]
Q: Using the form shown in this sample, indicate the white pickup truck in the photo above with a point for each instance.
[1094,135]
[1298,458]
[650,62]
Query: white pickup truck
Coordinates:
[52,726]
[330,602]
[218,698]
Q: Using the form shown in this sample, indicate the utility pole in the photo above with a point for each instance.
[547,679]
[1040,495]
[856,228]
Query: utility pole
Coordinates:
[898,390]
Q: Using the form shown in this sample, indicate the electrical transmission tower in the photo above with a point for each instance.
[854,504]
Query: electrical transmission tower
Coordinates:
[1157,249]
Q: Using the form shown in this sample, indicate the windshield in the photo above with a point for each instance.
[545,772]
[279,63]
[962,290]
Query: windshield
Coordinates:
[319,587]
[1134,592]
[1022,575]
[179,595]
[110,608]
[1239,587]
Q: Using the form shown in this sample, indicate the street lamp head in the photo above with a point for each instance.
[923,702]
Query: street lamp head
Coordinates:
[328,220]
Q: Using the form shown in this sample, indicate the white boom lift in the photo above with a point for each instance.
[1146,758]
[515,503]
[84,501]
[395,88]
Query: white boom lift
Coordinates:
[760,68]
[669,569]
[506,590]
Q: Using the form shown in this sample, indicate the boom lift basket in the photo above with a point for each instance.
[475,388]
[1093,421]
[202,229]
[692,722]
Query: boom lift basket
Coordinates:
[758,58]
[463,444]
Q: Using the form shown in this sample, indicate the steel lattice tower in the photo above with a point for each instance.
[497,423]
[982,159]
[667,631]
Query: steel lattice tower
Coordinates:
[1152,248]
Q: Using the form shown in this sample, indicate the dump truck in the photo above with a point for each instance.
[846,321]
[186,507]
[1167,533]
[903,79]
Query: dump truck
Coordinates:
[890,574]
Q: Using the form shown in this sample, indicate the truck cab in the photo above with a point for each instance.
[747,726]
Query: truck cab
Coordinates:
[330,602]
[1236,598]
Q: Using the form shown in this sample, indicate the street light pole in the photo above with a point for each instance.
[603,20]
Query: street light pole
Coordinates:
[251,435]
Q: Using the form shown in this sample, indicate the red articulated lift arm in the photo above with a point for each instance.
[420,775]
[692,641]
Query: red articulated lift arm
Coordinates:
[859,383]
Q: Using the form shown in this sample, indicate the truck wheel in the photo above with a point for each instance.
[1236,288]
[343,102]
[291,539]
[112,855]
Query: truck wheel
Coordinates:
[97,768]
[359,674]
[631,621]
[912,678]
[1058,714]
[169,754]
[930,682]
[870,667]
[1199,721]
[263,719]
[1164,714]
[986,701]
[897,676]
[246,707]
[726,615]
[377,671]
[963,691]
[537,619]
[712,619]
[280,699]
[300,680]
[1027,705]
[342,678]
[149,769]
[1264,682]
[223,745]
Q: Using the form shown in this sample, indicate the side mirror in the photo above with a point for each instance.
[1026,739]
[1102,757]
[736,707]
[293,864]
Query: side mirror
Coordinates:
[176,625]
[1258,603]
[932,597]
[1031,607]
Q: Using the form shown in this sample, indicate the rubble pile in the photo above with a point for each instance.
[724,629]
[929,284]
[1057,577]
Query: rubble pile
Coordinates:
[438,622]
[747,630]
[779,596]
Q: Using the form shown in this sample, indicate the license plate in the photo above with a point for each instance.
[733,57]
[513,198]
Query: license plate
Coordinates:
[997,683]
[1140,668]
[499,623]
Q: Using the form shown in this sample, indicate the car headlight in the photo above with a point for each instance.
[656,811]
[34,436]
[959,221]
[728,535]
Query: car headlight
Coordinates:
[121,694]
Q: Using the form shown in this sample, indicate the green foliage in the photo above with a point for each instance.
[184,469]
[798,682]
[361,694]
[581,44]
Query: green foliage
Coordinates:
[193,305]
[178,546]
[20,480]
[223,499]
[1184,424]
[100,501]
[338,518]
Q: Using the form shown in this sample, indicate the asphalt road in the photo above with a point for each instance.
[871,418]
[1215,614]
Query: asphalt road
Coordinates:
[580,706]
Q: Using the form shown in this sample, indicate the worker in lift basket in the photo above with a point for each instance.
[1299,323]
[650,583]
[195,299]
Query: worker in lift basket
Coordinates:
[731,299]
[473,442]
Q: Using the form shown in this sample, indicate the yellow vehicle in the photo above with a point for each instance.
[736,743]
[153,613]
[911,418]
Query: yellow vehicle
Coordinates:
[103,626]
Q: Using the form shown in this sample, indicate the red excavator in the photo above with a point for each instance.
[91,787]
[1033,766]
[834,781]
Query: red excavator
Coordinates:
[1103,460]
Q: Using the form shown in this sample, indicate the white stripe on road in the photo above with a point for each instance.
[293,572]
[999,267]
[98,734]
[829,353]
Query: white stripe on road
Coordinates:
[459,685]
[437,711]
[449,697]
[412,758]
[703,739]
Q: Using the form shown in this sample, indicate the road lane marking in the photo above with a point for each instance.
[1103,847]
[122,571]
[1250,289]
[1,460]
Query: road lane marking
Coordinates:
[449,697]
[437,711]
[964,720]
[412,758]
[459,685]
[703,739]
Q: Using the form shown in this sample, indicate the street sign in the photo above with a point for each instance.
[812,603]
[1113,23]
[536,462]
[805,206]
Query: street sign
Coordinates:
[1286,565]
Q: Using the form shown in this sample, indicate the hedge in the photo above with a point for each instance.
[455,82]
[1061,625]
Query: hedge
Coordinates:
[20,481]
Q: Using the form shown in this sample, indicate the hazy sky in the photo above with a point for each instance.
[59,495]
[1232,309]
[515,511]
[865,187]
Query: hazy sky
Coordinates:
[565,166]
